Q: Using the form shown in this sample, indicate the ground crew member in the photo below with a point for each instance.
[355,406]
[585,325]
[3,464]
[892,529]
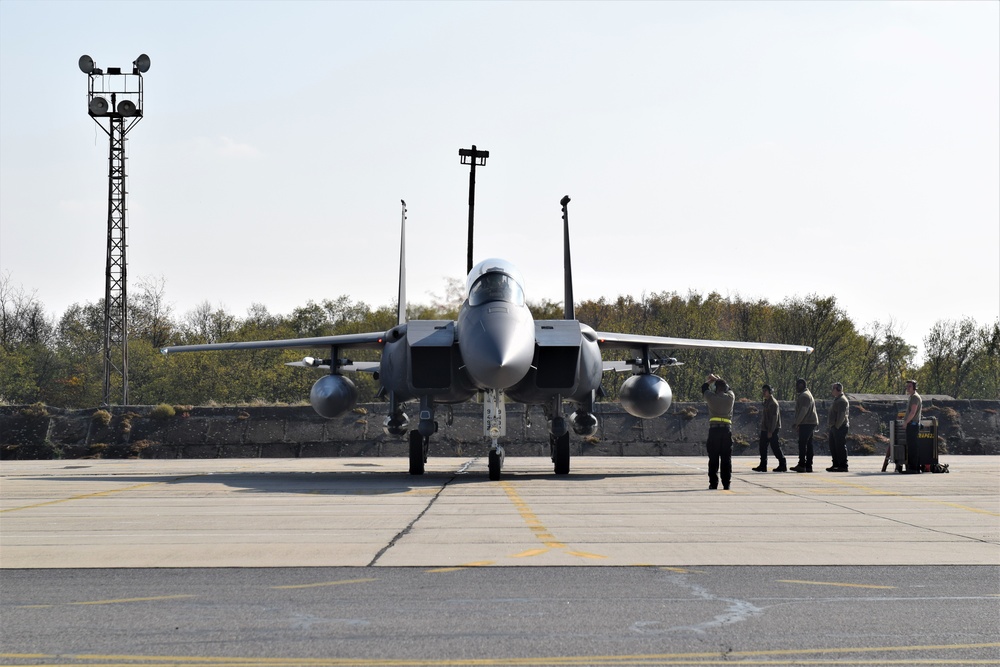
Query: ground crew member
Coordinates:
[770,424]
[839,424]
[806,421]
[912,421]
[720,399]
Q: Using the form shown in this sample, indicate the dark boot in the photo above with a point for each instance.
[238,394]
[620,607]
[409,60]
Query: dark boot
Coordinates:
[762,467]
[781,467]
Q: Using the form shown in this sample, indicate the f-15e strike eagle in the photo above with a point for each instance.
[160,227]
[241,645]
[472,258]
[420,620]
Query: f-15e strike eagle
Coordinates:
[497,350]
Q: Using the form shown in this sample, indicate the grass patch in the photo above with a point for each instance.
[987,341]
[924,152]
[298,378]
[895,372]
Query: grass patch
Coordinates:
[866,445]
[163,411]
[35,410]
[101,417]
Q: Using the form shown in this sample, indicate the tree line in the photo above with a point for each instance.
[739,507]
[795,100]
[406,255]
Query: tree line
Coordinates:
[59,361]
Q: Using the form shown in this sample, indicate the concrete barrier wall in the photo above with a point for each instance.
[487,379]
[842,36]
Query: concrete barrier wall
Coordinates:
[30,432]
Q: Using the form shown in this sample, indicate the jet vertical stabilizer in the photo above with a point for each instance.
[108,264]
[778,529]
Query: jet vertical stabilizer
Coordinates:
[401,304]
[569,311]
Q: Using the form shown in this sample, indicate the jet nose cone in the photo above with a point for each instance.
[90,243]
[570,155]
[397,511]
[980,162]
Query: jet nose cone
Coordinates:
[499,363]
[497,351]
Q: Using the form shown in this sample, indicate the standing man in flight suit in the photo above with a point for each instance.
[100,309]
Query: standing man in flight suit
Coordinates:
[839,424]
[806,421]
[720,401]
[770,424]
[913,410]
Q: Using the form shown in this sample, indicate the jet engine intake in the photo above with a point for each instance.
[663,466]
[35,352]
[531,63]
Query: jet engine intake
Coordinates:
[645,395]
[332,396]
[584,423]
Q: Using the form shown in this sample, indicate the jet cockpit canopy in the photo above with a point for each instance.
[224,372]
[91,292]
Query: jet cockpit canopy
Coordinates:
[495,280]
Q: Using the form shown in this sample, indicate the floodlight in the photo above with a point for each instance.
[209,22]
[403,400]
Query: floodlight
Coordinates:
[115,104]
[126,108]
[98,106]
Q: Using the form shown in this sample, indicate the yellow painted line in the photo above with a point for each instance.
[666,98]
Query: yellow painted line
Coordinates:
[536,526]
[95,602]
[767,657]
[831,583]
[880,492]
[97,494]
[682,570]
[530,552]
[325,583]
[482,563]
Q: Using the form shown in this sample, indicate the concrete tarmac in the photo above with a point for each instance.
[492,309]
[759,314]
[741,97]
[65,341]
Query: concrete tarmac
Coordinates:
[501,616]
[609,511]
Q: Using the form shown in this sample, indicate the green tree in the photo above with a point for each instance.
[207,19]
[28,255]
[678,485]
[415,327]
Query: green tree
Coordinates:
[204,325]
[150,316]
[28,365]
[961,359]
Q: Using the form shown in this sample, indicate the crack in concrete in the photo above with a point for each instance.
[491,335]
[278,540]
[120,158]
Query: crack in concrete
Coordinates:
[401,534]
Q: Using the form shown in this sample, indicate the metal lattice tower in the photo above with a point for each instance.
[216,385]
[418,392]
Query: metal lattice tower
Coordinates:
[116,272]
[124,91]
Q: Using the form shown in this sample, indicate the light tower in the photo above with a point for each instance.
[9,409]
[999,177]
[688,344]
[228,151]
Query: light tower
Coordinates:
[114,101]
[473,157]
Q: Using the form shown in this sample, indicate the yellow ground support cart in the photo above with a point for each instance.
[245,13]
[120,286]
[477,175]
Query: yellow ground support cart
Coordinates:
[927,444]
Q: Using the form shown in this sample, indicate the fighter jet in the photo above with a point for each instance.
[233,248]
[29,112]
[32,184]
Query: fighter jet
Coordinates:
[496,350]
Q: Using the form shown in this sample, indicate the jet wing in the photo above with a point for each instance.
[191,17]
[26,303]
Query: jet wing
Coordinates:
[607,340]
[352,367]
[624,366]
[373,340]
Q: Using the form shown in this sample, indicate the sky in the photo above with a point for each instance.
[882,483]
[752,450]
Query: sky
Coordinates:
[766,150]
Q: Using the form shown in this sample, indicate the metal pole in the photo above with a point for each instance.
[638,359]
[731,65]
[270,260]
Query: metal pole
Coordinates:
[472,209]
[472,157]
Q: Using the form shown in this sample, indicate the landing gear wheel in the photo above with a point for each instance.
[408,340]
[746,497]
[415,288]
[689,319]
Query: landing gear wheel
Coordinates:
[495,464]
[560,454]
[418,452]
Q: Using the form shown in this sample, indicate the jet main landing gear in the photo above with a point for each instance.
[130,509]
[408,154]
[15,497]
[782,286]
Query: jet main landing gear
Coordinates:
[418,452]
[559,447]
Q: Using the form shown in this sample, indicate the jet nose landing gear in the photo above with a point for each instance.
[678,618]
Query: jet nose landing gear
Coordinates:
[496,461]
[494,426]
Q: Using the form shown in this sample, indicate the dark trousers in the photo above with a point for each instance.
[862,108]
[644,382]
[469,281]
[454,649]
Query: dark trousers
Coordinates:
[806,444]
[720,455]
[838,446]
[912,448]
[775,447]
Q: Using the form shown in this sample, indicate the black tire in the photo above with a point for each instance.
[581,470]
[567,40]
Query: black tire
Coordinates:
[560,454]
[417,457]
[494,466]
